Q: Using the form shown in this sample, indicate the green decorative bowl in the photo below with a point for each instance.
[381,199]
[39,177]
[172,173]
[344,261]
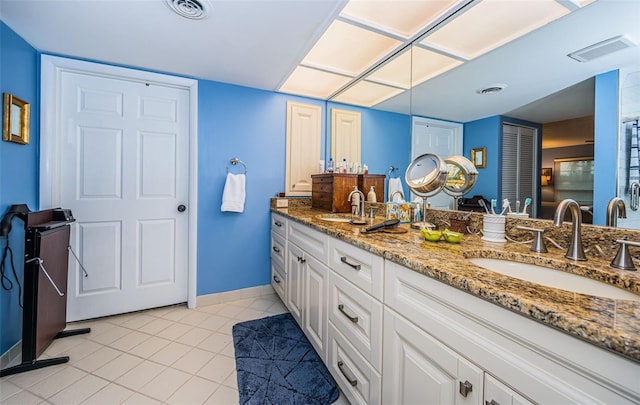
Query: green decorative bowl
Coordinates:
[451,236]
[431,236]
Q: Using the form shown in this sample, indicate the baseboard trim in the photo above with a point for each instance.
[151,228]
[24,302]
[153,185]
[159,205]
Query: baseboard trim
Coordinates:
[11,357]
[235,295]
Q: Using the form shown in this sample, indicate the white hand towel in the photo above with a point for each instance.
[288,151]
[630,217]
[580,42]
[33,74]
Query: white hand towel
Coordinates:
[234,193]
[395,184]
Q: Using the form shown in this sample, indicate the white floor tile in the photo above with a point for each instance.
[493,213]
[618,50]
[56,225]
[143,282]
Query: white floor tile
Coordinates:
[194,318]
[139,399]
[137,322]
[110,334]
[25,380]
[22,398]
[218,369]
[165,384]
[78,392]
[117,367]
[194,336]
[140,375]
[194,392]
[97,359]
[224,396]
[110,394]
[177,314]
[170,353]
[155,326]
[56,382]
[214,322]
[129,341]
[216,342]
[231,310]
[149,347]
[7,389]
[193,361]
[174,331]
[232,380]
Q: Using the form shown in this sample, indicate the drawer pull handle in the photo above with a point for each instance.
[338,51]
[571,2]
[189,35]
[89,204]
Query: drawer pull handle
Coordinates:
[278,224]
[302,259]
[276,279]
[343,370]
[344,260]
[492,402]
[465,388]
[352,318]
[276,249]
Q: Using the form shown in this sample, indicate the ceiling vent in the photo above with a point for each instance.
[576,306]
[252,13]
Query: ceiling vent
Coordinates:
[494,88]
[603,48]
[192,9]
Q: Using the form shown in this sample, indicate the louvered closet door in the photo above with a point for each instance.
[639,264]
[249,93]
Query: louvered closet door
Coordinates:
[518,164]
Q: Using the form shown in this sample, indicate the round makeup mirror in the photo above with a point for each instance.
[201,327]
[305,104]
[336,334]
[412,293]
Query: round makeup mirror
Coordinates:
[462,176]
[426,176]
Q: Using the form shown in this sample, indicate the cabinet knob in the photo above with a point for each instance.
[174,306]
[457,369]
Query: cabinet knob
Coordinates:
[492,402]
[276,279]
[278,224]
[465,388]
[276,249]
[182,208]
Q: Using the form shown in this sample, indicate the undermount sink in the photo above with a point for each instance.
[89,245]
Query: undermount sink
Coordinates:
[341,218]
[554,278]
[334,219]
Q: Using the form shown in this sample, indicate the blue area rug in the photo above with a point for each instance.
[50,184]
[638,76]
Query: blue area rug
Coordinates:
[276,364]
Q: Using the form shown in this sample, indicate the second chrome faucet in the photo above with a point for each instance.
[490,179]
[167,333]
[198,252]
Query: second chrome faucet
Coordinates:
[575,251]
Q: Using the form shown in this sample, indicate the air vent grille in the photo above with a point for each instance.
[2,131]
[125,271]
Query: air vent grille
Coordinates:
[603,48]
[192,9]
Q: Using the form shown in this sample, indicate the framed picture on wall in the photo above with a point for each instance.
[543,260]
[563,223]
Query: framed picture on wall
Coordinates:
[479,157]
[15,119]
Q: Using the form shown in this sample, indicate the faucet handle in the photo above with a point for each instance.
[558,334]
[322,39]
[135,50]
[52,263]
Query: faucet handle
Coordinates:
[538,244]
[623,260]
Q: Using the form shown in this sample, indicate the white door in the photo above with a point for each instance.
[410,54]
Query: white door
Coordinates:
[442,138]
[124,166]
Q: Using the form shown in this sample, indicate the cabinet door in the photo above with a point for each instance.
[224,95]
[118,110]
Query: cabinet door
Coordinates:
[278,279]
[314,319]
[304,137]
[418,369]
[295,281]
[496,393]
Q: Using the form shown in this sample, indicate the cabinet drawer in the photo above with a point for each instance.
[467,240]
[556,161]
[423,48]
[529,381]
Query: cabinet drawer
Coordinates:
[279,279]
[278,249]
[362,268]
[309,240]
[359,382]
[279,225]
[358,317]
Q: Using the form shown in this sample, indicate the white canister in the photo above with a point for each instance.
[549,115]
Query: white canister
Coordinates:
[493,228]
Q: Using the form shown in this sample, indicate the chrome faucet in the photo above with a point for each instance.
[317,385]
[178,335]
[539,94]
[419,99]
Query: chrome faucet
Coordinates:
[615,209]
[394,194]
[361,207]
[575,251]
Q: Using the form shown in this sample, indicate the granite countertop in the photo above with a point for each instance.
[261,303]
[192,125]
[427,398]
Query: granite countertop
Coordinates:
[607,323]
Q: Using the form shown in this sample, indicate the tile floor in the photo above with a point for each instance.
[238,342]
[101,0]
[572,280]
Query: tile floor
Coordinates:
[170,355]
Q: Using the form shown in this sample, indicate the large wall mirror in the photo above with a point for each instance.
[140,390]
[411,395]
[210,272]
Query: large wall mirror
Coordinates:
[539,84]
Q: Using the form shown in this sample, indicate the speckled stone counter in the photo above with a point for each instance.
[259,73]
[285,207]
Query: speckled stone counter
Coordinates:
[610,324]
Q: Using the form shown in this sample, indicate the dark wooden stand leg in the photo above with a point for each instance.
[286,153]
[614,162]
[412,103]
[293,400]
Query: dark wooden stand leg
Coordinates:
[72,332]
[36,364]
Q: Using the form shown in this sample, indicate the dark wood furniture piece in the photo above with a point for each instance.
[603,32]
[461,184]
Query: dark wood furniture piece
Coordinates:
[329,191]
[45,286]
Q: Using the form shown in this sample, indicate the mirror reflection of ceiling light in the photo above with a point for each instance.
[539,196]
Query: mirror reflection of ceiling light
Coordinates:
[491,23]
[367,94]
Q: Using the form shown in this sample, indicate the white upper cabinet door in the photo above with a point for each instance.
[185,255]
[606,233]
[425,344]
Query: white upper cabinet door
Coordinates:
[345,135]
[304,138]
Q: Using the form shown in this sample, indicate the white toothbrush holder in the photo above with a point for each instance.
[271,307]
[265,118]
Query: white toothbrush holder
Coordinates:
[493,228]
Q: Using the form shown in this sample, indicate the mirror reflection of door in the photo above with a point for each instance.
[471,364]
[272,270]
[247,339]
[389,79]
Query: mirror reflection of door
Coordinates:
[345,136]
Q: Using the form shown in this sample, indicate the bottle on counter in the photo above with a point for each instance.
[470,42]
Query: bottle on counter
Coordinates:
[371,197]
[330,165]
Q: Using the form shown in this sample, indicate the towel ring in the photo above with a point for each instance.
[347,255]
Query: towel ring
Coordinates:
[235,161]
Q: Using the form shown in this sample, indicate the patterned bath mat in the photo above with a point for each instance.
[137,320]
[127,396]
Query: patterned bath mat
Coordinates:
[276,364]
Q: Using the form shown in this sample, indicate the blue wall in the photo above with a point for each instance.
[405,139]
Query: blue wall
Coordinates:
[605,154]
[485,133]
[18,169]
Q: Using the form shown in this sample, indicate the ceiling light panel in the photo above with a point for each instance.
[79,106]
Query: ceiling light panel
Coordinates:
[492,23]
[367,94]
[395,72]
[313,83]
[347,48]
[404,19]
[428,64]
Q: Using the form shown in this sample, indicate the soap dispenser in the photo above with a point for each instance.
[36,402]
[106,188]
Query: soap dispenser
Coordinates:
[371,197]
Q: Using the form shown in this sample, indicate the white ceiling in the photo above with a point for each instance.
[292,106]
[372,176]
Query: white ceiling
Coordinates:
[258,43]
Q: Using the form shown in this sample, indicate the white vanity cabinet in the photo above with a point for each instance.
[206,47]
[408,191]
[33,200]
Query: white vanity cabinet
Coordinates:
[278,253]
[355,321]
[522,361]
[418,369]
[307,282]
